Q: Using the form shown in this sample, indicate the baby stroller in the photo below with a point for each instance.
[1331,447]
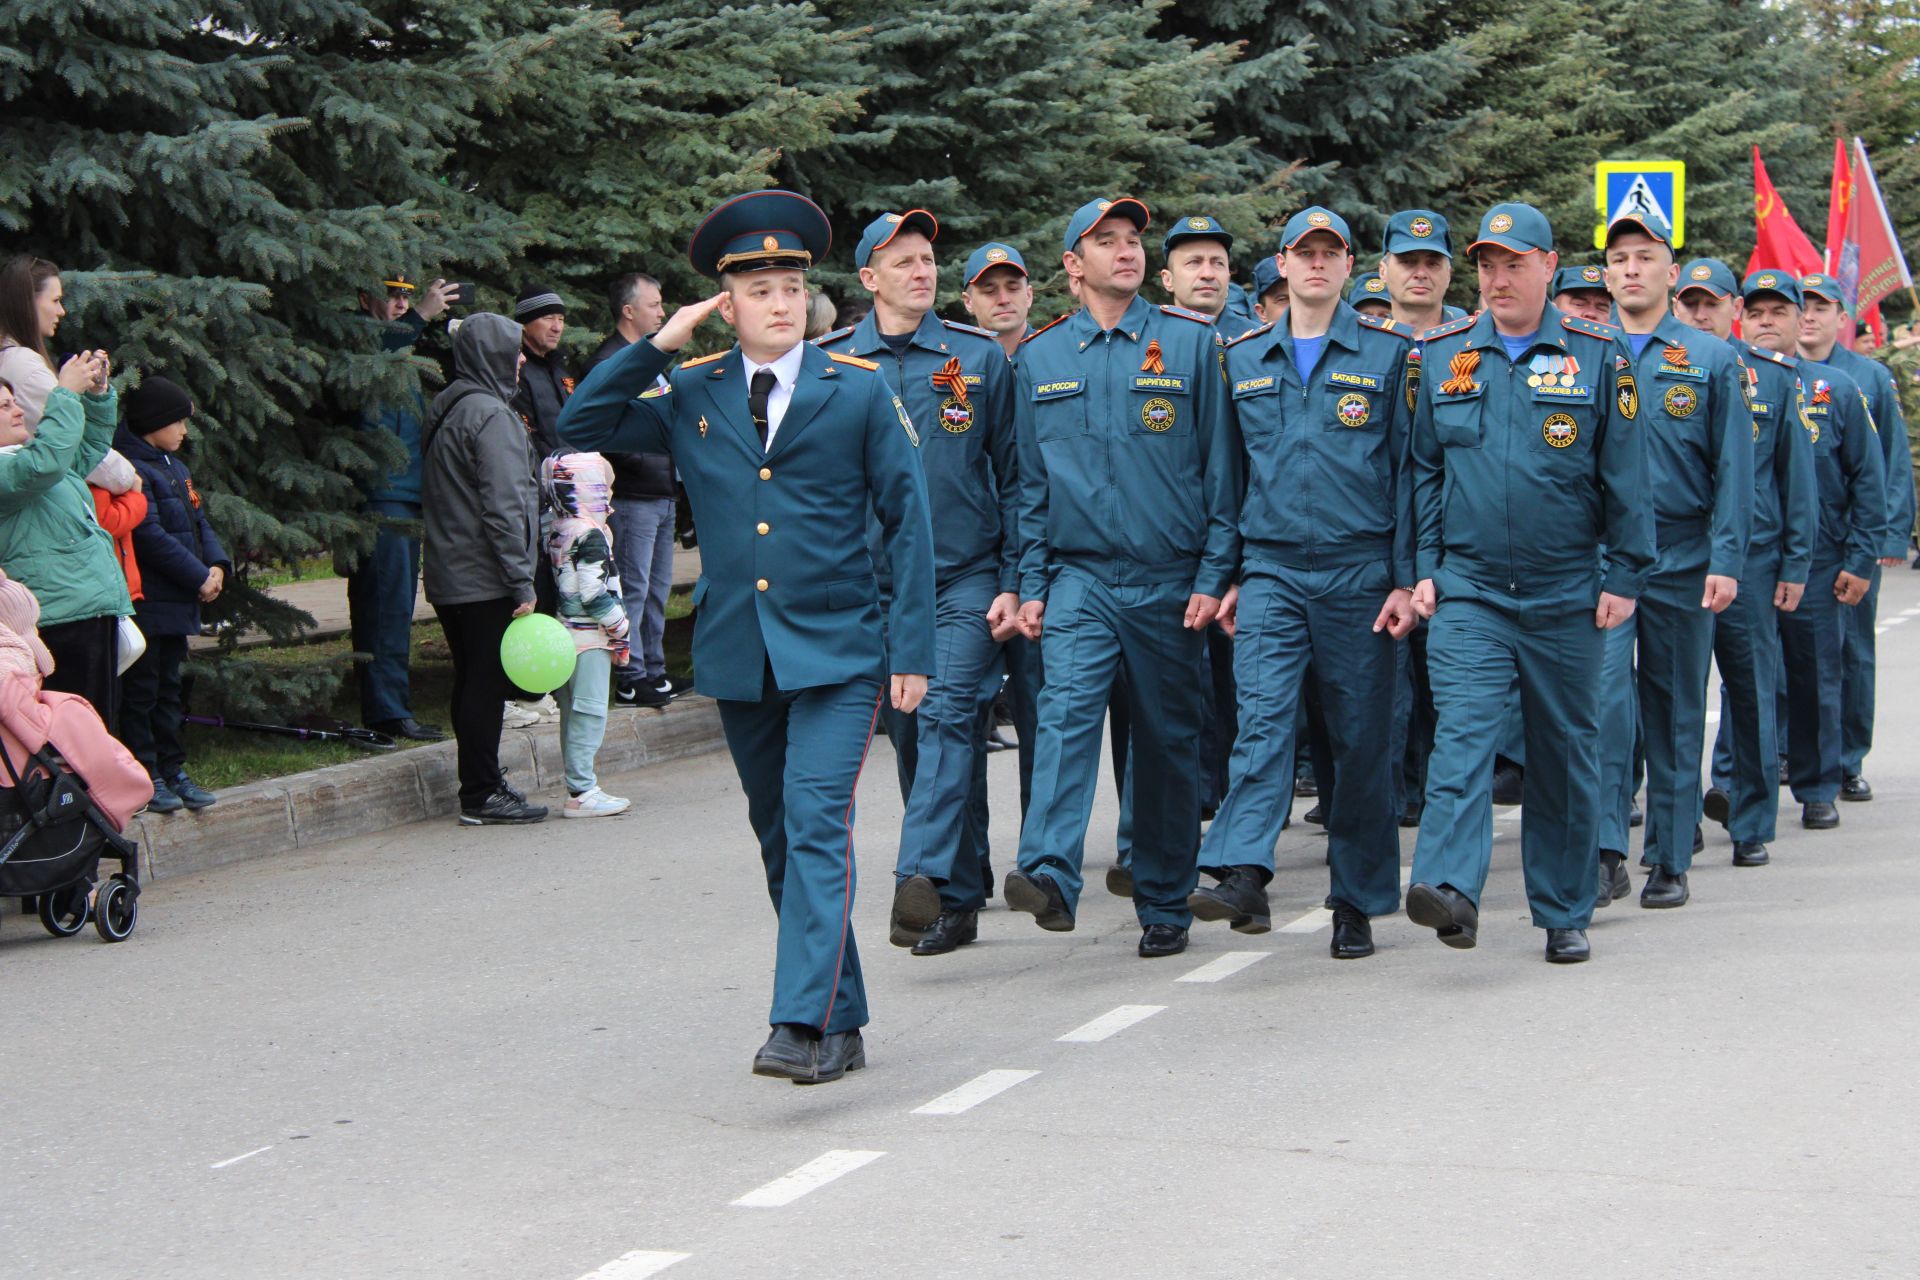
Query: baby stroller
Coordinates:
[67,789]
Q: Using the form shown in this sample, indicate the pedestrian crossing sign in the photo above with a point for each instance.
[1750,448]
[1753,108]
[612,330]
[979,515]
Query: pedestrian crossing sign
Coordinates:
[1640,186]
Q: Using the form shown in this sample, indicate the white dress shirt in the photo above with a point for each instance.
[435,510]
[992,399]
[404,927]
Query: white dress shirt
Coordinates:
[786,372]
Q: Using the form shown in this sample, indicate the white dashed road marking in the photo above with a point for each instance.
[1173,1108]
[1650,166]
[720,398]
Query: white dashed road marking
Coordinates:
[636,1265]
[810,1176]
[974,1092]
[1224,966]
[1312,922]
[1111,1023]
[237,1159]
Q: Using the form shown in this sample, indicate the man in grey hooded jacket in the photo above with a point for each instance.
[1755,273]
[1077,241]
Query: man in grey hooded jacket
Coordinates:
[481,514]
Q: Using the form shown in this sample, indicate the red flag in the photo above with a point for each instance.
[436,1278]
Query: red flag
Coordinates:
[1778,240]
[1878,268]
[1839,199]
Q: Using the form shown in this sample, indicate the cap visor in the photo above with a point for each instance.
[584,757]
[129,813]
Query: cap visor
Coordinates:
[1004,262]
[1310,231]
[1410,244]
[912,220]
[1704,288]
[1500,242]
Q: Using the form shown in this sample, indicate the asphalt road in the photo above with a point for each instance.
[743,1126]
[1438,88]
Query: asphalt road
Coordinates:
[524,1054]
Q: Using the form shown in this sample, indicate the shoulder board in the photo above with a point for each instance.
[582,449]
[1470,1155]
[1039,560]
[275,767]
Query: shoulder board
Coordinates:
[1448,329]
[1043,328]
[957,327]
[1251,333]
[1386,326]
[855,361]
[1768,353]
[696,363]
[1198,317]
[1591,328]
[835,336]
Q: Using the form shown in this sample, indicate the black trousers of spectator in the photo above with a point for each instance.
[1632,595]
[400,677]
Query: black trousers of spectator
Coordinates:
[480,688]
[151,713]
[84,661]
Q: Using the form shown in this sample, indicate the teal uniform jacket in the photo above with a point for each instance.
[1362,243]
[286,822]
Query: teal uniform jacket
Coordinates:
[1785,517]
[1237,317]
[1328,483]
[1699,442]
[967,449]
[1848,467]
[1131,475]
[1883,402]
[1515,486]
[788,578]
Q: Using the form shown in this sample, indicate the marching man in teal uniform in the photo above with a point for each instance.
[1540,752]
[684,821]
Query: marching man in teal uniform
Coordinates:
[787,454]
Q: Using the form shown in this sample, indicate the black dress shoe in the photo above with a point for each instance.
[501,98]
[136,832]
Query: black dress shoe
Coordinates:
[801,1055]
[1240,898]
[916,905]
[1615,883]
[1568,946]
[1716,805]
[1039,897]
[1699,839]
[952,930]
[1664,889]
[1158,940]
[1784,779]
[410,729]
[1352,933]
[1445,910]
[1854,787]
[1819,816]
[1750,853]
[1410,814]
[1635,817]
[1316,815]
[1305,784]
[1120,881]
[1509,783]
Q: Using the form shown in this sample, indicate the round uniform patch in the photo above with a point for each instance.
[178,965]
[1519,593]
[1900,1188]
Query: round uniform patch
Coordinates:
[769,244]
[1354,409]
[1319,219]
[956,416]
[1590,274]
[1157,414]
[1681,401]
[1703,272]
[1376,285]
[1196,224]
[1766,281]
[1500,222]
[996,255]
[1420,227]
[1560,430]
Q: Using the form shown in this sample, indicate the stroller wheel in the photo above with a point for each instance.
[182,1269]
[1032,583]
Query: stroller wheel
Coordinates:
[115,909]
[64,911]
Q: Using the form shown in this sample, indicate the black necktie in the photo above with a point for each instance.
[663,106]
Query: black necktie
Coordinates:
[757,393]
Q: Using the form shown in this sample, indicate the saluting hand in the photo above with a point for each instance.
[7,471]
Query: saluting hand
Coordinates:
[1201,610]
[1612,611]
[907,692]
[1229,615]
[1786,595]
[1397,615]
[1720,592]
[680,325]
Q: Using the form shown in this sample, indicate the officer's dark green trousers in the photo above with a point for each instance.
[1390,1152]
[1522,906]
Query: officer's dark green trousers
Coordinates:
[1474,651]
[1094,632]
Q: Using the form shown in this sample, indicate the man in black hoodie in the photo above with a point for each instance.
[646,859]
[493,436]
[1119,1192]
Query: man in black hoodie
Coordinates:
[481,520]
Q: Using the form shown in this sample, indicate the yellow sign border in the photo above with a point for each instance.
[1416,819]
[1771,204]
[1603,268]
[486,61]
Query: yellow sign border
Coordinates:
[1678,168]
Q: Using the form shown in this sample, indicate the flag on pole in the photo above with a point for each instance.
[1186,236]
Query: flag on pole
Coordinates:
[1778,241]
[1839,199]
[1872,249]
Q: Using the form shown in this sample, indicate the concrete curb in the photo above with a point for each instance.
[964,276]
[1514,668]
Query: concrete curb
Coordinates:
[261,819]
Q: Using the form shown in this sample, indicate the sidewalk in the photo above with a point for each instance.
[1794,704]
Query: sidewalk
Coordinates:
[326,600]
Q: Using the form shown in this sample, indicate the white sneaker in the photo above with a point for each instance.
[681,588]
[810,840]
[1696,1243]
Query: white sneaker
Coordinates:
[595,804]
[518,715]
[546,708]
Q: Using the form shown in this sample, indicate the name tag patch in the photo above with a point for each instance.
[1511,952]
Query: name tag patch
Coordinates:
[1575,395]
[1365,381]
[1691,372]
[1254,386]
[1054,390]
[1160,382]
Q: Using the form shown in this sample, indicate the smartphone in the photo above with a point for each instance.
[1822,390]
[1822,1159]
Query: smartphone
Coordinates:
[462,295]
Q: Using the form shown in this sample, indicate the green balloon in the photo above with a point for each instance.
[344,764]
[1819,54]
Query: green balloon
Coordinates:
[537,653]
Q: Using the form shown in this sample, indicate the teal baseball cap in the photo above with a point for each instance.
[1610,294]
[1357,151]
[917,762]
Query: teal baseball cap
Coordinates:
[1710,274]
[1093,211]
[993,254]
[1822,286]
[1416,231]
[1576,279]
[1645,221]
[1197,227]
[1368,287]
[1266,274]
[1311,219]
[1775,281]
[1520,228]
[881,232]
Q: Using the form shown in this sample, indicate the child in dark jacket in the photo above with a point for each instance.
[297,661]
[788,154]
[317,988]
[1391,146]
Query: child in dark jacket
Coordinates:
[182,566]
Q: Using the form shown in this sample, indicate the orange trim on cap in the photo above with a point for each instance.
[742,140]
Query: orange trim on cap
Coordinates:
[901,225]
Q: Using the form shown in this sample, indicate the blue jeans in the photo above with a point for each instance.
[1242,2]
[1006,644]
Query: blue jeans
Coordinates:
[380,599]
[583,717]
[643,554]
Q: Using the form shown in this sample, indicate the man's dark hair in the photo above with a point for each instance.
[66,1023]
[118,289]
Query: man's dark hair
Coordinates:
[620,292]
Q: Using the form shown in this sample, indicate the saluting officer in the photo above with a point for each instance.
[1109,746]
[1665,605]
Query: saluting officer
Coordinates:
[1582,291]
[1327,573]
[1130,482]
[1699,448]
[1745,797]
[956,384]
[1535,536]
[787,454]
[1820,323]
[1850,481]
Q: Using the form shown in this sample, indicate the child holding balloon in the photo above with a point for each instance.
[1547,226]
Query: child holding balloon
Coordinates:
[579,487]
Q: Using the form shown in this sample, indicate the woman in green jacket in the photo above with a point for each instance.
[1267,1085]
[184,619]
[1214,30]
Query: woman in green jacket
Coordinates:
[49,538]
